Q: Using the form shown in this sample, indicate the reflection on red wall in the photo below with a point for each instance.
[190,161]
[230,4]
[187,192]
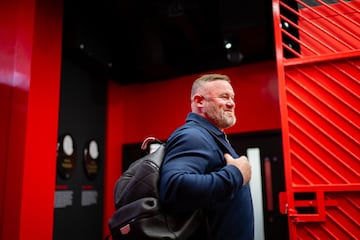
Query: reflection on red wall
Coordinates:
[30,54]
[137,111]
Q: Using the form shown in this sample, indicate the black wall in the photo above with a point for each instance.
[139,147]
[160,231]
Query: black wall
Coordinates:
[270,146]
[78,212]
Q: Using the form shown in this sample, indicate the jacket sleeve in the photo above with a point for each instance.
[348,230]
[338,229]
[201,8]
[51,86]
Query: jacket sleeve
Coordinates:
[194,173]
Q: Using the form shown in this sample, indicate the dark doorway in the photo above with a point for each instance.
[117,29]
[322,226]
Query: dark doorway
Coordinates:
[269,145]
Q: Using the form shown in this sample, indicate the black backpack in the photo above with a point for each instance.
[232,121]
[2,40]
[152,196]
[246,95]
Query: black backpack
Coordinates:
[138,212]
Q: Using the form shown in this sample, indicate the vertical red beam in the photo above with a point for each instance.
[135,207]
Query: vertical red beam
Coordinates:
[283,109]
[31,35]
[319,101]
[114,141]
[9,199]
[16,45]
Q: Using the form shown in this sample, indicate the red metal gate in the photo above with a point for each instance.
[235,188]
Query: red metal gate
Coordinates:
[318,63]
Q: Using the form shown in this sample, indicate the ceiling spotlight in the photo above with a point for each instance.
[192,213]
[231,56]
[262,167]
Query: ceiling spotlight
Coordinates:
[228,45]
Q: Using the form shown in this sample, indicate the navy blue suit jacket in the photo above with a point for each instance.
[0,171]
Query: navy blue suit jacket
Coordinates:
[194,175]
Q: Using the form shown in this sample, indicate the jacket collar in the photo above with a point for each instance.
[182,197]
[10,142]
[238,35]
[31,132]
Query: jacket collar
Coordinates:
[196,118]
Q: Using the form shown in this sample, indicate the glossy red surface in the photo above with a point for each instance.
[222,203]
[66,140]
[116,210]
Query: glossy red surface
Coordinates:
[29,89]
[320,108]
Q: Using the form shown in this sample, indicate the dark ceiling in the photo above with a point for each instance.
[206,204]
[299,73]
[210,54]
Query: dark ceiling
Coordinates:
[150,40]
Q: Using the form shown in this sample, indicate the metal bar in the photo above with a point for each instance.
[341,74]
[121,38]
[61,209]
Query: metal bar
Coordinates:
[291,50]
[343,187]
[298,40]
[339,98]
[324,104]
[328,19]
[320,27]
[343,15]
[307,33]
[322,58]
[312,169]
[349,6]
[316,156]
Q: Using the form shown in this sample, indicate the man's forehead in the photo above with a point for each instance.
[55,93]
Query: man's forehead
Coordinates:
[219,86]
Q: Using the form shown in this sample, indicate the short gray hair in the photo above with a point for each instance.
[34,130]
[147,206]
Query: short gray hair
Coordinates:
[207,78]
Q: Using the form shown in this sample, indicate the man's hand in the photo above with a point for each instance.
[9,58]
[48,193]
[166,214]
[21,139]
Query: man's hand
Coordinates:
[242,164]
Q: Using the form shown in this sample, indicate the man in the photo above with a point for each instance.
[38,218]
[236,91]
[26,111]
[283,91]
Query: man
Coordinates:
[198,173]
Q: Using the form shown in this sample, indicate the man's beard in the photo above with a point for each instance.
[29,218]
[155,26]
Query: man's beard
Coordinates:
[220,118]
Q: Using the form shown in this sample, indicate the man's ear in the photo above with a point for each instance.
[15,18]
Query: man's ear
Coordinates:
[198,99]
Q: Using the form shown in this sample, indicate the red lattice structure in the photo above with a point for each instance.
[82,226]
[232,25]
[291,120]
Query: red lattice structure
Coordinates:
[318,63]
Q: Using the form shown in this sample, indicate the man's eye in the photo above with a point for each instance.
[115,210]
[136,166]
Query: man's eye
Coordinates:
[227,98]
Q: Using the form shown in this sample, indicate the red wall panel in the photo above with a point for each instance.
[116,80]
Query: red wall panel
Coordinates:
[16,45]
[29,85]
[320,105]
[159,107]
[8,34]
